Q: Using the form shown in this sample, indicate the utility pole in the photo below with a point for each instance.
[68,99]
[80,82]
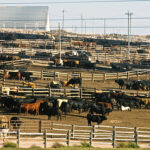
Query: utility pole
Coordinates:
[63,17]
[129,31]
[85,26]
[81,23]
[104,28]
[59,44]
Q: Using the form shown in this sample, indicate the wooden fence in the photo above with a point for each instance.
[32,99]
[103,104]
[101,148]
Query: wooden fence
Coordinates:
[47,132]
[48,75]
[85,93]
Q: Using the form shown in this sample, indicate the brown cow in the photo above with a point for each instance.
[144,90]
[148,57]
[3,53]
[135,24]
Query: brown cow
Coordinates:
[31,106]
[106,105]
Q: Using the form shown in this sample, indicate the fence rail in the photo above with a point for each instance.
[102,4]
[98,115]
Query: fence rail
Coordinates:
[50,132]
[48,75]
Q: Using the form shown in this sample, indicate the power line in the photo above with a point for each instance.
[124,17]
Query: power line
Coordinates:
[70,2]
[109,27]
[77,19]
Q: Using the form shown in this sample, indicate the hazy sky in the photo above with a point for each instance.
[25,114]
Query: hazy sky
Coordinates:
[99,10]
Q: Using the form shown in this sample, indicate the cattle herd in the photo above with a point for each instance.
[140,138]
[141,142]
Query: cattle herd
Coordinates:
[133,84]
[97,110]
[78,52]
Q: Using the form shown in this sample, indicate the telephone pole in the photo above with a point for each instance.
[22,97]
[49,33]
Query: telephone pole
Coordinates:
[63,11]
[129,31]
[104,28]
[59,43]
[81,23]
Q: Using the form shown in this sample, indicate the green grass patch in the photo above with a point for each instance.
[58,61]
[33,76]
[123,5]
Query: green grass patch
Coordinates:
[85,145]
[10,145]
[35,147]
[128,145]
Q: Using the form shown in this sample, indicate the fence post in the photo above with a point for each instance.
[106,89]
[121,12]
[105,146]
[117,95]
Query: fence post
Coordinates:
[137,93]
[127,75]
[54,75]
[91,134]
[92,76]
[33,92]
[137,74]
[72,130]
[68,76]
[42,75]
[117,75]
[17,90]
[80,92]
[4,82]
[93,130]
[81,75]
[18,138]
[40,126]
[65,92]
[51,128]
[45,138]
[9,126]
[68,138]
[50,94]
[113,137]
[136,135]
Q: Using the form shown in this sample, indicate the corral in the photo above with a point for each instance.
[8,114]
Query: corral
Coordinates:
[33,83]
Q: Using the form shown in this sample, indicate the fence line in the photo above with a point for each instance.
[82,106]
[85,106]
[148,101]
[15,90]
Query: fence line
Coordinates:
[86,93]
[75,133]
[48,75]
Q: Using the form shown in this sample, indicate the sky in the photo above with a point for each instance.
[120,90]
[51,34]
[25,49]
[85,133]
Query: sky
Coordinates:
[97,10]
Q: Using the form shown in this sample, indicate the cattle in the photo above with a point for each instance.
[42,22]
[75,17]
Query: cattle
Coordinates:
[54,112]
[15,122]
[12,75]
[71,63]
[55,84]
[133,85]
[31,106]
[52,107]
[78,104]
[26,76]
[60,101]
[126,100]
[99,109]
[65,107]
[75,81]
[63,83]
[123,108]
[120,82]
[29,84]
[95,118]
[104,104]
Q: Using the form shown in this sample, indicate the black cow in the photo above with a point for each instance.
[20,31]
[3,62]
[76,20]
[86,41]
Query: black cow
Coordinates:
[65,108]
[95,118]
[54,112]
[75,81]
[120,82]
[15,122]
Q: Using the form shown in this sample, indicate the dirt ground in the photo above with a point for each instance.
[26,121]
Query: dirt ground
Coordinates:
[135,118]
